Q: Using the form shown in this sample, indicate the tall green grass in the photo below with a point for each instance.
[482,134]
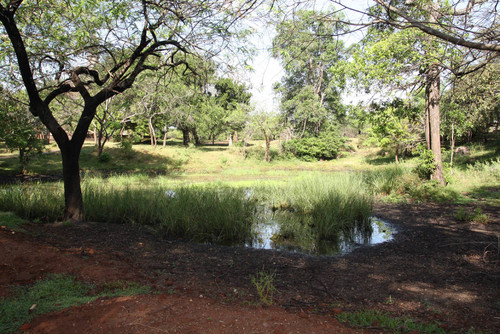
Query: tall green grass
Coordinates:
[335,204]
[44,202]
[203,213]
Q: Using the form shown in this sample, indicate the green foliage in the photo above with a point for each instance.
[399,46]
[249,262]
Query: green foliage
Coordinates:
[258,153]
[394,126]
[471,107]
[426,164]
[385,321]
[126,145]
[326,146]
[314,66]
[19,131]
[475,217]
[264,283]
[104,157]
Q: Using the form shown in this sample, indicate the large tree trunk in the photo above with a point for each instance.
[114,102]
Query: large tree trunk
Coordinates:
[432,103]
[197,140]
[185,136]
[73,200]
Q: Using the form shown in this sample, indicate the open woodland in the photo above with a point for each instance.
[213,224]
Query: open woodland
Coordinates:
[143,189]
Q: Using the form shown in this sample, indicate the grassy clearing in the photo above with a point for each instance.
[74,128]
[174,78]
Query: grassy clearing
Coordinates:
[56,292]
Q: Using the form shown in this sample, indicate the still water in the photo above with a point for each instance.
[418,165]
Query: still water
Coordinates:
[276,230]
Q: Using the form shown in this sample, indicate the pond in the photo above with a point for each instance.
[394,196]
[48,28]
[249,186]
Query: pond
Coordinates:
[289,232]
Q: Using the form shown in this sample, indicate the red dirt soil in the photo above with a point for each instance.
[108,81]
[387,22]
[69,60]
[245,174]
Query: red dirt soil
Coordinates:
[436,269]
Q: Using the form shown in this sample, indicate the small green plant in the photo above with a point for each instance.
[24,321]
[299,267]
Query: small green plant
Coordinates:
[104,157]
[475,217]
[126,146]
[264,283]
[480,217]
[389,301]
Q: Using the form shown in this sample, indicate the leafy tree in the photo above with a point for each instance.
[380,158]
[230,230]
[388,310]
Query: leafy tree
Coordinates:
[65,47]
[211,119]
[394,127]
[405,59]
[312,59]
[234,98]
[19,131]
[471,106]
[269,126]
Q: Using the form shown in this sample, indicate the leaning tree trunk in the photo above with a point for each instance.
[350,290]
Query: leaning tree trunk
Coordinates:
[73,198]
[432,103]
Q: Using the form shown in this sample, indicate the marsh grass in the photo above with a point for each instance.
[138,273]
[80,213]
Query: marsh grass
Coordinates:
[334,205]
[41,202]
[205,213]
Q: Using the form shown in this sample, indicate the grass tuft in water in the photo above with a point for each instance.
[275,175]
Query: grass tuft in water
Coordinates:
[334,205]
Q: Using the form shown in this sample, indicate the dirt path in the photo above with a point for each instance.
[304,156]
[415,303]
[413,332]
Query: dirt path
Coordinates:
[436,269]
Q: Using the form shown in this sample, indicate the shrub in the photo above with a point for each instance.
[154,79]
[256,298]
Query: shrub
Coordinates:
[258,153]
[104,157]
[425,163]
[326,146]
[126,146]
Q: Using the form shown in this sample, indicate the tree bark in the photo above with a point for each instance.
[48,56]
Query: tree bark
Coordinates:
[267,156]
[185,136]
[432,102]
[73,200]
[197,140]
[165,137]
[152,132]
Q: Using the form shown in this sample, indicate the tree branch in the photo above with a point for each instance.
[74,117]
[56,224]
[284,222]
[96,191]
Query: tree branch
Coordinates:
[437,33]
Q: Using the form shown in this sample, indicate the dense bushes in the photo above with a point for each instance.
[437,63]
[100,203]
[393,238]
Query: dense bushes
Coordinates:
[326,146]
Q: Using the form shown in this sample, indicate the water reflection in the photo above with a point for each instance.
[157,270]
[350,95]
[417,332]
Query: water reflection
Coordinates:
[291,232]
